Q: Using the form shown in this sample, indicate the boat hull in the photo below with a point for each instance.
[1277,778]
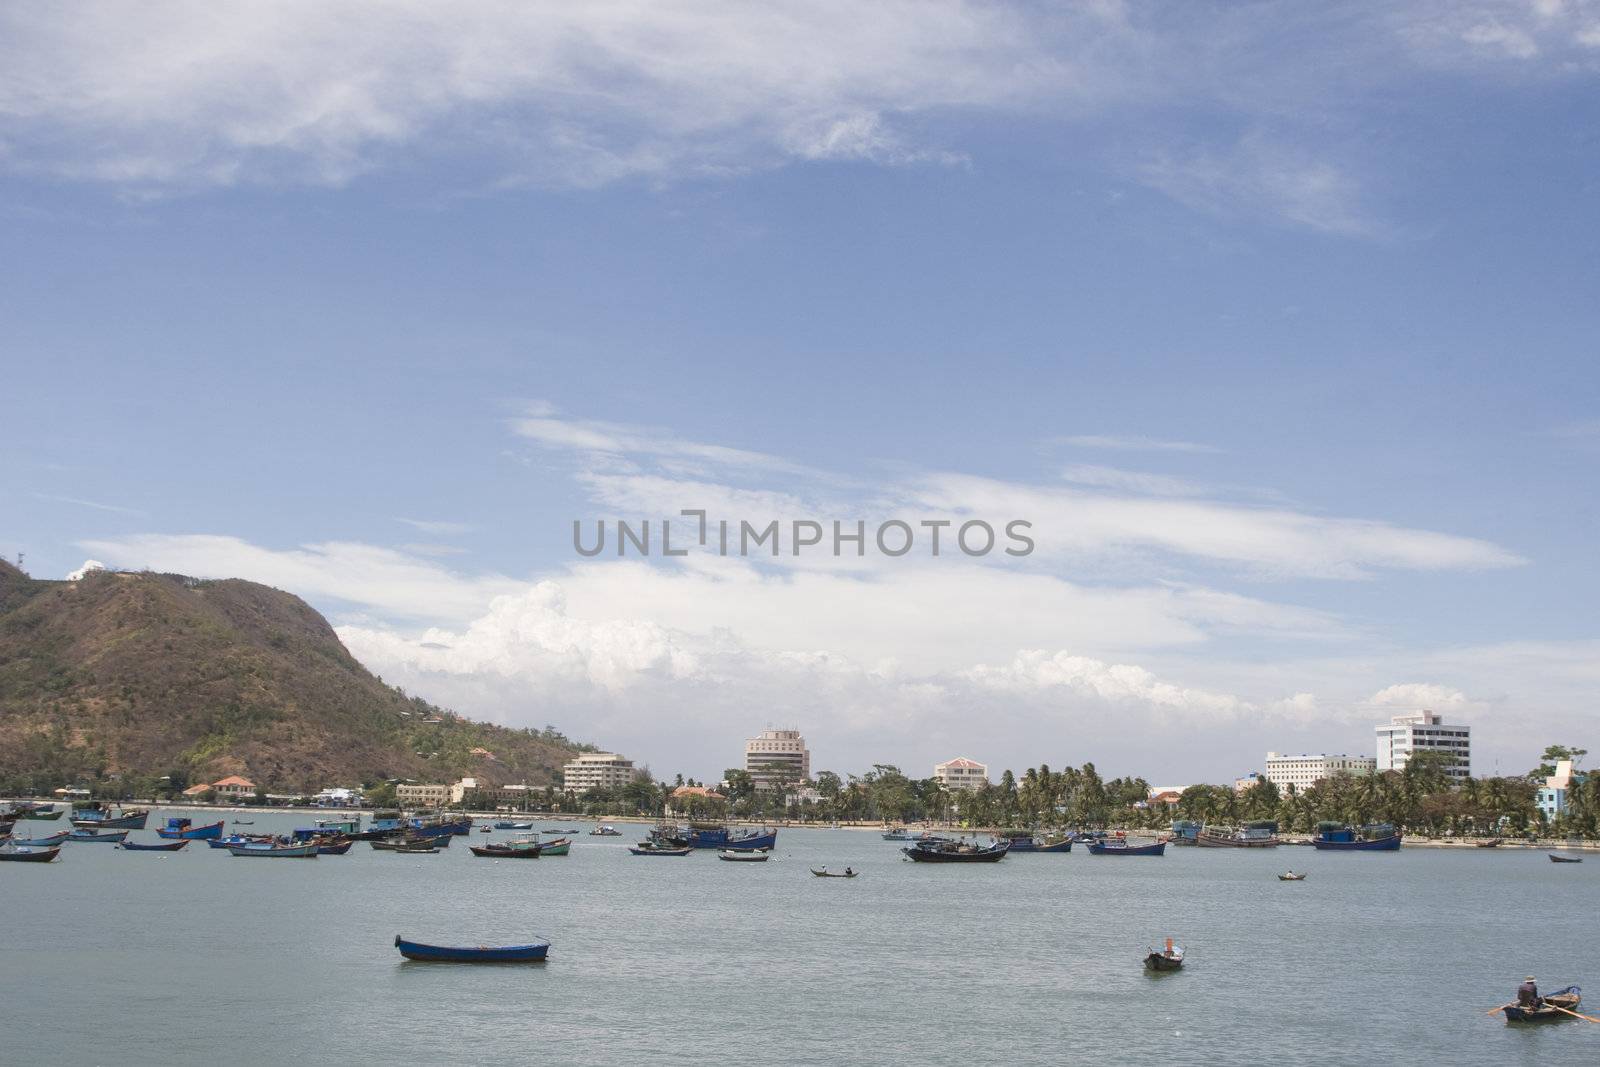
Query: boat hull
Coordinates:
[1381,844]
[993,854]
[129,821]
[1102,848]
[49,841]
[505,852]
[110,837]
[1568,998]
[660,851]
[164,846]
[1220,841]
[29,855]
[415,950]
[1156,961]
[277,852]
[191,833]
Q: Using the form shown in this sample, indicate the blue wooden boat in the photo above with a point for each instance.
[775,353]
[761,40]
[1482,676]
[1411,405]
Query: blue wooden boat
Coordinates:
[180,829]
[161,846]
[1332,837]
[416,950]
[328,828]
[1025,841]
[944,850]
[711,835]
[98,816]
[1117,846]
[504,825]
[114,837]
[276,851]
[48,841]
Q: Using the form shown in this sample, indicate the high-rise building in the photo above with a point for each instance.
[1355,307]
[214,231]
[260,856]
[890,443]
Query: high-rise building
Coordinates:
[1424,731]
[596,770]
[1304,771]
[961,774]
[777,759]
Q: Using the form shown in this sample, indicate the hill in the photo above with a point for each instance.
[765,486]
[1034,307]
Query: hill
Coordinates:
[143,675]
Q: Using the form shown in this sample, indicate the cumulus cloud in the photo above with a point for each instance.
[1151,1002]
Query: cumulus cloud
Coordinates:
[88,566]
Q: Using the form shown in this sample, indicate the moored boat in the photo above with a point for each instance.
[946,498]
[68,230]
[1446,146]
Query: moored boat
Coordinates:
[823,872]
[40,812]
[1169,958]
[181,829]
[160,846]
[505,825]
[1263,834]
[1565,859]
[1120,846]
[511,851]
[416,950]
[744,855]
[646,848]
[1335,837]
[103,817]
[306,851]
[110,837]
[47,841]
[712,835]
[1290,876]
[897,833]
[334,848]
[943,850]
[21,854]
[1548,1010]
[605,831]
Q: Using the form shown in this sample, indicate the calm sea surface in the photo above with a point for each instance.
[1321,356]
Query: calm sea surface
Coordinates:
[113,957]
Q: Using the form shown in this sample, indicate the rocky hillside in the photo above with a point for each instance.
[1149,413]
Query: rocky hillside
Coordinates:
[143,675]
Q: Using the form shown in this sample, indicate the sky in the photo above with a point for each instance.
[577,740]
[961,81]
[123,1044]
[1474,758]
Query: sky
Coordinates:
[1275,322]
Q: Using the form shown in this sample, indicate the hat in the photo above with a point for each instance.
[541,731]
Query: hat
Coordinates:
[1530,978]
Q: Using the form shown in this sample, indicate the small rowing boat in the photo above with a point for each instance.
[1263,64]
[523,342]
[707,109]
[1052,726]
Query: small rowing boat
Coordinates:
[1565,859]
[1548,1009]
[743,855]
[1290,876]
[823,872]
[1169,958]
[656,850]
[48,841]
[19,854]
[416,950]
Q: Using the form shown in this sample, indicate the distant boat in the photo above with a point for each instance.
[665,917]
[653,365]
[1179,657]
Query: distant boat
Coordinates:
[943,850]
[280,852]
[1565,859]
[503,825]
[823,872]
[18,854]
[1568,998]
[742,855]
[42,814]
[1118,846]
[897,833]
[1253,835]
[244,822]
[648,849]
[416,950]
[573,830]
[180,829]
[113,837]
[1333,837]
[334,848]
[509,852]
[714,835]
[605,831]
[1491,843]
[1025,841]
[48,841]
[98,816]
[1167,959]
[416,848]
[1290,876]
[162,846]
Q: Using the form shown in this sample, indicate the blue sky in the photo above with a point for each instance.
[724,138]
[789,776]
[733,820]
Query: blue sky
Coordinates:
[1277,321]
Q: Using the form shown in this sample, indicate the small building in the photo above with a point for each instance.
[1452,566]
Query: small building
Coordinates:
[1169,797]
[234,787]
[961,775]
[1244,782]
[1305,770]
[421,795]
[1552,796]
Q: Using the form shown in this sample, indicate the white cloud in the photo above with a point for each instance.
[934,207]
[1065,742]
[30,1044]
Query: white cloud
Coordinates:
[1135,443]
[95,504]
[1131,481]
[1419,696]
[436,527]
[88,566]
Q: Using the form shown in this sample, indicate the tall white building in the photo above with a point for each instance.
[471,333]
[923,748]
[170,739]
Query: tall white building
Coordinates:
[777,758]
[596,770]
[1424,731]
[961,774]
[1304,771]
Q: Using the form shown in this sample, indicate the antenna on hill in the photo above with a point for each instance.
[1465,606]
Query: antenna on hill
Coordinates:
[20,557]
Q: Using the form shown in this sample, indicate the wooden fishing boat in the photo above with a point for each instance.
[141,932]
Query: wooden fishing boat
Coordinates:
[1334,837]
[509,852]
[1565,859]
[280,852]
[1167,959]
[605,831]
[897,833]
[416,848]
[1290,876]
[561,846]
[334,848]
[648,849]
[1547,1012]
[48,841]
[160,846]
[946,851]
[416,950]
[45,814]
[109,837]
[742,855]
[573,830]
[100,816]
[19,854]
[1119,846]
[504,825]
[823,872]
[180,829]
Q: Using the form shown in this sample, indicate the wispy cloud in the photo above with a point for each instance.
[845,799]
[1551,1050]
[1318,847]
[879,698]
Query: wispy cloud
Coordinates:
[436,527]
[1132,443]
[95,504]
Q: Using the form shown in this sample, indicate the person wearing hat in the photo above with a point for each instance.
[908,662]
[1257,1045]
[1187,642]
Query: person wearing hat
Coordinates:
[1528,993]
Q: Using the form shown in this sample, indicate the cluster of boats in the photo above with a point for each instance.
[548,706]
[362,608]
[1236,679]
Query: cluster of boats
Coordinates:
[749,845]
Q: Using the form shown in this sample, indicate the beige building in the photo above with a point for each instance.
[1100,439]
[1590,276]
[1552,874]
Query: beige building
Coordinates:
[961,774]
[777,758]
[596,770]
[421,795]
[1304,771]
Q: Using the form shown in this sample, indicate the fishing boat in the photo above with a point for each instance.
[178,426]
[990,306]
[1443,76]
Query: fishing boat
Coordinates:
[238,839]
[1376,837]
[507,851]
[1027,841]
[111,837]
[646,848]
[160,846]
[1169,958]
[561,846]
[1120,846]
[897,833]
[392,844]
[744,855]
[1290,876]
[39,812]
[426,847]
[947,851]
[47,841]
[1263,834]
[1548,1010]
[605,831]
[1493,842]
[334,848]
[19,854]
[102,817]
[181,829]
[714,835]
[823,872]
[1565,859]
[416,950]
[244,822]
[384,824]
[1185,832]
[329,828]
[504,825]
[275,851]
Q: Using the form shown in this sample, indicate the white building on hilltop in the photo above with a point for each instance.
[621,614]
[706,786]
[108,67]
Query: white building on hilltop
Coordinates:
[1304,771]
[1424,731]
[776,759]
[596,770]
[961,774]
